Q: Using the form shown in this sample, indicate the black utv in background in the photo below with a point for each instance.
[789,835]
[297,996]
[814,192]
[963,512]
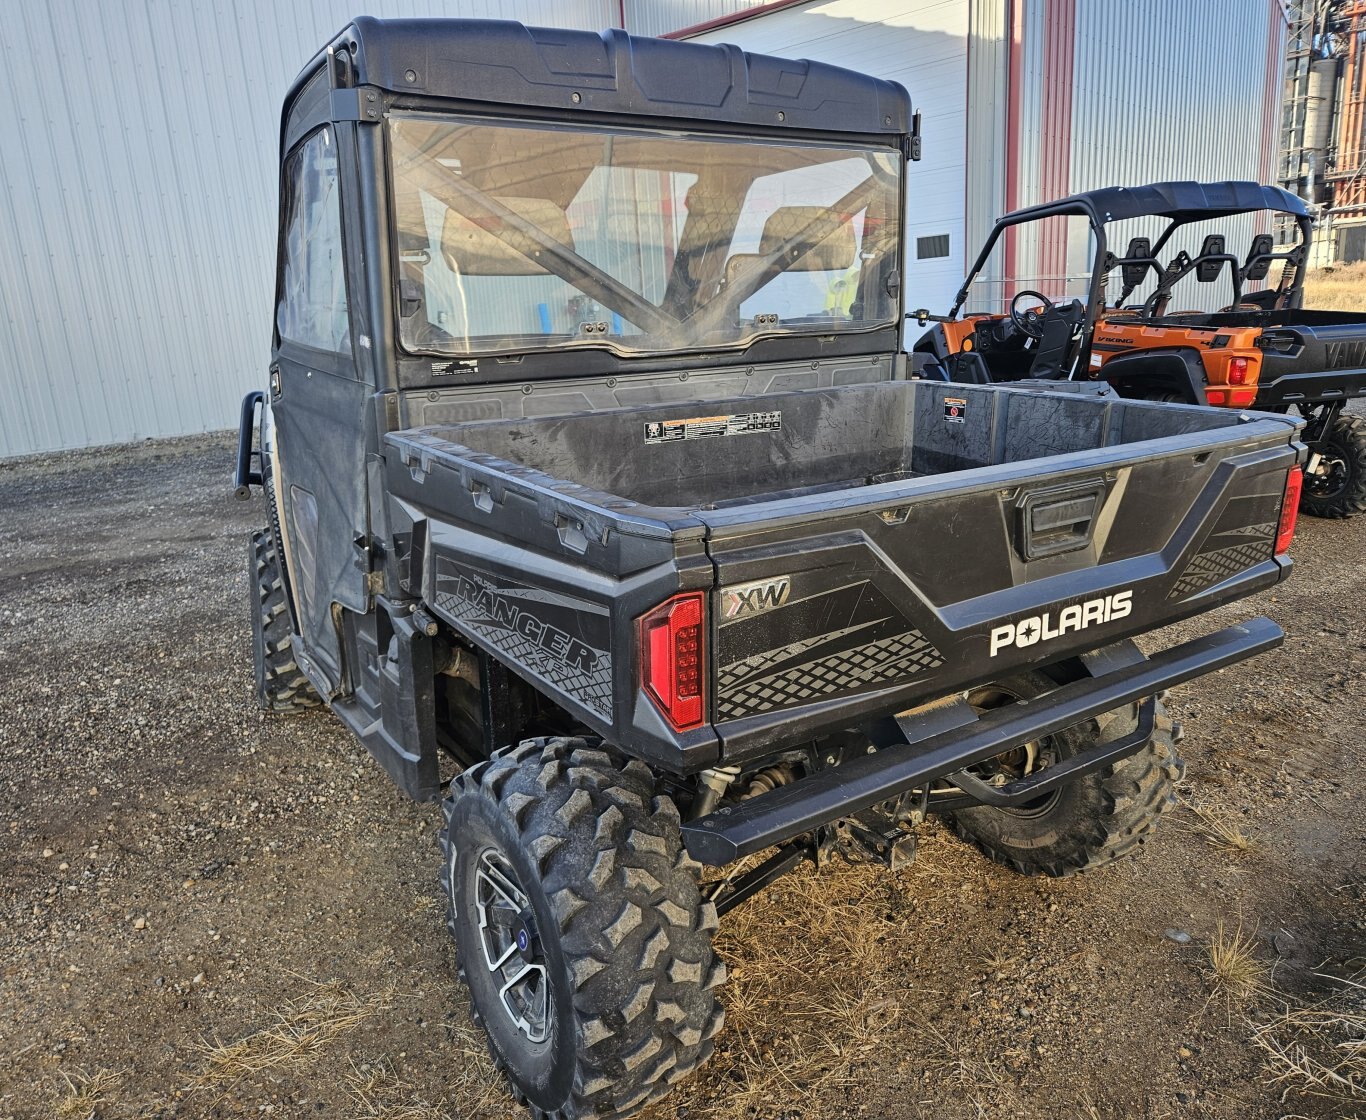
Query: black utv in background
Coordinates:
[592,468]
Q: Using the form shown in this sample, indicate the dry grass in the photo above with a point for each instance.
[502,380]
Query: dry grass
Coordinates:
[1319,1050]
[425,905]
[999,962]
[963,1063]
[1339,288]
[84,1093]
[378,1094]
[1222,830]
[822,950]
[1234,968]
[302,1029]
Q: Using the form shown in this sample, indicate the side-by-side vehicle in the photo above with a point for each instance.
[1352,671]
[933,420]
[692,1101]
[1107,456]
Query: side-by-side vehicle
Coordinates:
[599,500]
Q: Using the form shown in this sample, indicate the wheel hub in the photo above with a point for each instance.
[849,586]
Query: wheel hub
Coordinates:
[528,943]
[511,946]
[1024,760]
[1328,476]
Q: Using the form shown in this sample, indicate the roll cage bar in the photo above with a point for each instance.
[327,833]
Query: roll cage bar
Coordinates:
[1181,203]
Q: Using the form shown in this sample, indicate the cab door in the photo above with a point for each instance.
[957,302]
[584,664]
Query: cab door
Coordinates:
[319,403]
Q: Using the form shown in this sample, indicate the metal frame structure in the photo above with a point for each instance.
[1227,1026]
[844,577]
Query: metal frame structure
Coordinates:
[1181,203]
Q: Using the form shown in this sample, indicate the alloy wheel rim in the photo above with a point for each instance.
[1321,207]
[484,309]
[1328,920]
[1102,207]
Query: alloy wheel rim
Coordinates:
[511,946]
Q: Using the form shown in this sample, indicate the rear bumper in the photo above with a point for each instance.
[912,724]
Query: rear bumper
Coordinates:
[919,750]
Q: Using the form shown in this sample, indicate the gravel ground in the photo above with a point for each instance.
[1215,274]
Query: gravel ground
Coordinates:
[205,912]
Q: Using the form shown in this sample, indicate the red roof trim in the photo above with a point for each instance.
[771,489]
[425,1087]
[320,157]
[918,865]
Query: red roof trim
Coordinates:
[734,17]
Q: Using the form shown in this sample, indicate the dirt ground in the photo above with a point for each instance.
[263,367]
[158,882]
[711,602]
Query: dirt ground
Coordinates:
[205,912]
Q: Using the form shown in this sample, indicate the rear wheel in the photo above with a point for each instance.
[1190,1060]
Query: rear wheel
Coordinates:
[1086,823]
[581,931]
[280,684]
[1338,488]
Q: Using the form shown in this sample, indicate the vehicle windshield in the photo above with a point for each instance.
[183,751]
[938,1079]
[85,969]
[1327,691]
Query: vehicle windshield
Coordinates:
[526,238]
[1051,256]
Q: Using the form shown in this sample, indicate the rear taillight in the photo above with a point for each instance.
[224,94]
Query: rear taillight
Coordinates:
[1290,509]
[673,658]
[1237,371]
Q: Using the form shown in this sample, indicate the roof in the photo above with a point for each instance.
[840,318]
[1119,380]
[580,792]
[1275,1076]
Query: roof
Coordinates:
[1181,201]
[503,64]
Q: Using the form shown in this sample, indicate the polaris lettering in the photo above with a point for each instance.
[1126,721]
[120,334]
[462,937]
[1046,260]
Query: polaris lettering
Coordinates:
[1078,616]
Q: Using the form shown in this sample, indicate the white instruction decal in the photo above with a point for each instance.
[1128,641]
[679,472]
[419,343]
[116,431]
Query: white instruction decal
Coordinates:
[701,427]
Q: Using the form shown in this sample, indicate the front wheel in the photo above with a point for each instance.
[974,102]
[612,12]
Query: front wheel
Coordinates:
[581,931]
[1338,488]
[1084,824]
[281,685]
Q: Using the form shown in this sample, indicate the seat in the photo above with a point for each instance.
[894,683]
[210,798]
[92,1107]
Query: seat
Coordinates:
[1212,259]
[826,243]
[493,247]
[1258,262]
[1060,324]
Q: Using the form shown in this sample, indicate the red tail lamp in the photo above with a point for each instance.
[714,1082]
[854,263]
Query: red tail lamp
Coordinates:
[1237,371]
[1290,509]
[673,657]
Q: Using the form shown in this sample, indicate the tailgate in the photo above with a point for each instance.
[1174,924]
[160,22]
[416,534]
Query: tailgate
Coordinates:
[831,610]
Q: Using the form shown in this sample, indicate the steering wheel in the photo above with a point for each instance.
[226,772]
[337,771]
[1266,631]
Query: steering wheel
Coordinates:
[1030,321]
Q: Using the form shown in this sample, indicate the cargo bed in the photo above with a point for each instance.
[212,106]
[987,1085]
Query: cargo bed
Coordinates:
[882,538]
[662,462]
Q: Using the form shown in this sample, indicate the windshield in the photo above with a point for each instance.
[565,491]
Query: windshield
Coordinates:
[1051,256]
[517,238]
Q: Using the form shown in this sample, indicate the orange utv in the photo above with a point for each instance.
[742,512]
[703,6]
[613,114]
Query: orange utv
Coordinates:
[1124,320]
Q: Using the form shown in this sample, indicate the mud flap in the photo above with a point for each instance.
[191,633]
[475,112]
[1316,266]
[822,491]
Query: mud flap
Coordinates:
[400,732]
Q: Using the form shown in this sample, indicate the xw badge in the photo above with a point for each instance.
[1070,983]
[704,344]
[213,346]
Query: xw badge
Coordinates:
[751,598]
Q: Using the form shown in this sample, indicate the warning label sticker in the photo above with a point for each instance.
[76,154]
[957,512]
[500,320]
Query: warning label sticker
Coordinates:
[955,409]
[701,427]
[448,368]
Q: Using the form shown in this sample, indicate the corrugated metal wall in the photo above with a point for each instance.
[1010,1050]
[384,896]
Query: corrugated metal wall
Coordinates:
[1191,110]
[659,17]
[137,224]
[986,128]
[138,203]
[1159,90]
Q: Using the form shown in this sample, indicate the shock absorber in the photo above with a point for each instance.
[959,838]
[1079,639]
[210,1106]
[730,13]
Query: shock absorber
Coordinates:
[769,778]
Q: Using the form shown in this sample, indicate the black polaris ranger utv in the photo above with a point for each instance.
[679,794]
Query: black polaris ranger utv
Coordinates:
[593,469]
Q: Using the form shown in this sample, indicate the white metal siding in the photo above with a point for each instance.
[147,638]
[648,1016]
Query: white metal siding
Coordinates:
[988,90]
[138,178]
[1168,90]
[923,45]
[1161,90]
[138,203]
[659,17]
